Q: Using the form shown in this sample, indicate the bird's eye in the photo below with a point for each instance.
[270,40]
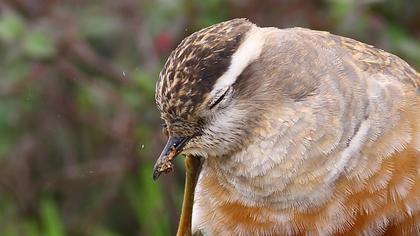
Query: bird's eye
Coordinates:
[165,132]
[219,98]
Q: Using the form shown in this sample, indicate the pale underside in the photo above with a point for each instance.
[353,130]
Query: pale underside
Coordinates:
[341,160]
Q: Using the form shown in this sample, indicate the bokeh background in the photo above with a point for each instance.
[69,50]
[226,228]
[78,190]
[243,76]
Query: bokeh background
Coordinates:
[79,131]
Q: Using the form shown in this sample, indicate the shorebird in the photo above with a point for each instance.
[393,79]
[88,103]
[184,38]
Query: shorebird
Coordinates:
[296,132]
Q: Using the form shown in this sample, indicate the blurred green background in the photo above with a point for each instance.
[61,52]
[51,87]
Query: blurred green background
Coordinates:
[79,131]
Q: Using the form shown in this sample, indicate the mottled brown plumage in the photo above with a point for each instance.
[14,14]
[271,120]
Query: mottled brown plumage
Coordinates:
[192,69]
[302,132]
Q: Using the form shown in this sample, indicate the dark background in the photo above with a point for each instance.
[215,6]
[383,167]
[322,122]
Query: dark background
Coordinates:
[79,131]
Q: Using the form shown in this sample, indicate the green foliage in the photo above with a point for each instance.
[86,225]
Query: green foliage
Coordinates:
[144,83]
[215,13]
[11,27]
[404,44]
[38,45]
[340,8]
[30,228]
[51,219]
[145,198]
[104,232]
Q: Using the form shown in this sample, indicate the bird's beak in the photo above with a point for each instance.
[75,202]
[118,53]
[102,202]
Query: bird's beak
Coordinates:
[172,148]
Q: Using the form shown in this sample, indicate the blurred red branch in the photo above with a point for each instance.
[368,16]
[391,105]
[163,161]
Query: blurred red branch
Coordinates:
[37,71]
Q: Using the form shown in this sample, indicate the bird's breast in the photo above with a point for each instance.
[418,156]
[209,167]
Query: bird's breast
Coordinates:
[301,179]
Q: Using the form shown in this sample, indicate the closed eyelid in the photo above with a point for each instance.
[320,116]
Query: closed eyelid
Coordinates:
[219,99]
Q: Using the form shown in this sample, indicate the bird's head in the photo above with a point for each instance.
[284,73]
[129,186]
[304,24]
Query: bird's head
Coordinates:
[202,94]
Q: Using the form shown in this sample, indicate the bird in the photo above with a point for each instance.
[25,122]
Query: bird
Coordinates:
[298,132]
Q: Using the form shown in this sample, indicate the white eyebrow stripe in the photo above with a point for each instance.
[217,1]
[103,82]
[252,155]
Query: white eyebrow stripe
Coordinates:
[249,50]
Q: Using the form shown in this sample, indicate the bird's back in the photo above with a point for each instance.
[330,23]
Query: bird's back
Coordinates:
[367,57]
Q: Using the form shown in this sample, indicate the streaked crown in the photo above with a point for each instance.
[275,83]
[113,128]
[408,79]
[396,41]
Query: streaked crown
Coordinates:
[193,68]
